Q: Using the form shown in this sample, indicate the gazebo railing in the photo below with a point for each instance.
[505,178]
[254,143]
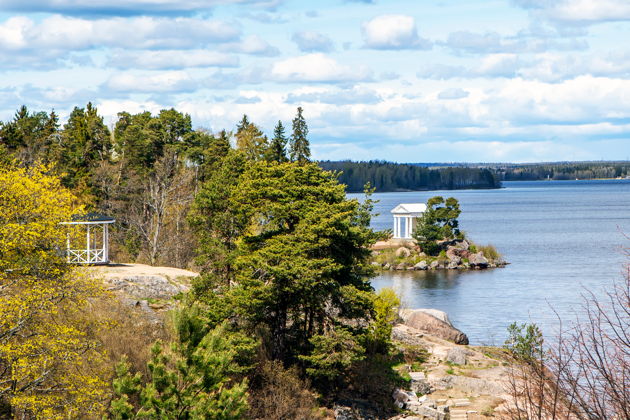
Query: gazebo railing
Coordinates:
[85,256]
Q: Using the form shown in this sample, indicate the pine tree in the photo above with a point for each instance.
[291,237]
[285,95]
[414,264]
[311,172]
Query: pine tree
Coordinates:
[300,150]
[86,142]
[187,380]
[277,151]
[302,255]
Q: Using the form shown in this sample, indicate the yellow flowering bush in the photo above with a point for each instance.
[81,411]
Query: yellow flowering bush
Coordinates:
[50,366]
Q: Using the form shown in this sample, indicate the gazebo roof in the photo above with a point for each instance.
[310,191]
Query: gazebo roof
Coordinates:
[91,218]
[410,208]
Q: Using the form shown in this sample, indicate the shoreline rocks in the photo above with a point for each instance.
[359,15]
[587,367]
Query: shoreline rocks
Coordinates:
[430,321]
[407,256]
[452,381]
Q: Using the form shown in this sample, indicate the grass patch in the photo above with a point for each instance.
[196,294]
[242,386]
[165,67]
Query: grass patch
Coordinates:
[487,412]
[414,354]
[490,252]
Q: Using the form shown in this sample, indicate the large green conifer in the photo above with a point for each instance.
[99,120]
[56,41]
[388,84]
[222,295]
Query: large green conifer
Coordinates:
[277,149]
[300,150]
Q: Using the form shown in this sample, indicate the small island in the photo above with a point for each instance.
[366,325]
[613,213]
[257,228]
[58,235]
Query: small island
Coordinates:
[427,237]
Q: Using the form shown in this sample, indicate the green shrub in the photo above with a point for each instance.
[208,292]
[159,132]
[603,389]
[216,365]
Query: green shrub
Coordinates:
[525,342]
[414,353]
[490,252]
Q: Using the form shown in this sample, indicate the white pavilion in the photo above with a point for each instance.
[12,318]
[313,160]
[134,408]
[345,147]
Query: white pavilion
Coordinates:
[405,219]
[95,249]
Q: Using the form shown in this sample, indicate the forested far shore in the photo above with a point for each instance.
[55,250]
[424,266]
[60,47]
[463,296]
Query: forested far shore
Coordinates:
[562,171]
[389,176]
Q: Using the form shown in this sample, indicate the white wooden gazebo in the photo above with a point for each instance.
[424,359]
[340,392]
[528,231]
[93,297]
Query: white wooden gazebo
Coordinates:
[405,219]
[95,249]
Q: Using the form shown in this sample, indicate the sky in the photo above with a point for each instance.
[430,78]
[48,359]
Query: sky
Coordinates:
[397,80]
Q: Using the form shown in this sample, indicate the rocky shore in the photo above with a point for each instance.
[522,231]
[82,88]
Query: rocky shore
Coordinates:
[456,255]
[456,382]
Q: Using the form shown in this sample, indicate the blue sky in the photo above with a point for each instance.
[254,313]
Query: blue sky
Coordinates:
[406,81]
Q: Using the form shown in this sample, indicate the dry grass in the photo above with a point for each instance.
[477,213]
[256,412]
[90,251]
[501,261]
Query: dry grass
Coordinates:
[130,332]
[490,252]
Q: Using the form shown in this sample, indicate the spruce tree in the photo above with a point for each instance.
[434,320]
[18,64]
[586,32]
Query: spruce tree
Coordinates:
[300,150]
[277,148]
[198,377]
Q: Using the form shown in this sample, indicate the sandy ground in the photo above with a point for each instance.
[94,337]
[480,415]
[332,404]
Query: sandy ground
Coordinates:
[122,270]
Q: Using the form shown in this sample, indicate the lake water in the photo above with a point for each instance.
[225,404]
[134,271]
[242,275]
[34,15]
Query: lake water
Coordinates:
[560,237]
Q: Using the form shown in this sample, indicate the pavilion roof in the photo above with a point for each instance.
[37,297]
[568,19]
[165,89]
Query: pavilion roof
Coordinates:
[409,208]
[92,218]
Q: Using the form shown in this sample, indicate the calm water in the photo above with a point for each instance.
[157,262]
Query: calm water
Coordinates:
[559,236]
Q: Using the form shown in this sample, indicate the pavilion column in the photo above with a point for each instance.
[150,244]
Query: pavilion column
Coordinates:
[106,242]
[88,244]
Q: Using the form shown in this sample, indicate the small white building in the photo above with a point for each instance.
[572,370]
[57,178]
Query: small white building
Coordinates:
[95,249]
[405,219]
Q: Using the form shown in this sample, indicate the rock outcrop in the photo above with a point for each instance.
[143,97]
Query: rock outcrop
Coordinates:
[422,265]
[454,382]
[403,252]
[429,324]
[142,285]
[407,255]
[478,260]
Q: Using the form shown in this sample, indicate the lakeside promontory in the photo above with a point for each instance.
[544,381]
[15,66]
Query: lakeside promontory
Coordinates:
[457,255]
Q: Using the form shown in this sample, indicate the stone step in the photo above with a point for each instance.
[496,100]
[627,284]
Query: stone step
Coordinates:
[461,402]
[458,415]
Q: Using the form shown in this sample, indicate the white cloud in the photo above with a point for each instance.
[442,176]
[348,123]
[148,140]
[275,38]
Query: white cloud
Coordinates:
[171,59]
[310,41]
[317,68]
[175,81]
[453,93]
[356,95]
[500,65]
[590,10]
[66,33]
[576,102]
[252,44]
[393,32]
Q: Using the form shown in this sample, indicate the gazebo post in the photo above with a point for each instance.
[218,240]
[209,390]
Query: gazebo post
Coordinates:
[105,243]
[88,244]
[100,255]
